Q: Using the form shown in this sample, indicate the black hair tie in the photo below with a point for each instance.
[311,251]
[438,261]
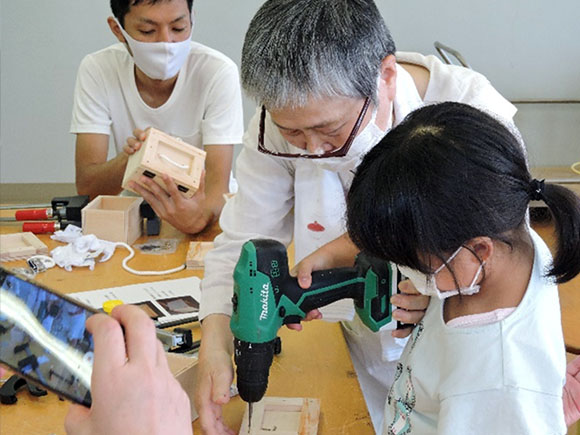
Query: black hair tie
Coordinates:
[537,187]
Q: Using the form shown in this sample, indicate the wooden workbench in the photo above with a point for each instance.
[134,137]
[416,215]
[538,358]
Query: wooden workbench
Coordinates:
[314,363]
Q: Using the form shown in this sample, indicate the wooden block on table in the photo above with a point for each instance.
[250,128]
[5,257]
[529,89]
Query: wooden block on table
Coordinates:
[19,246]
[196,254]
[184,369]
[113,218]
[283,416]
[161,153]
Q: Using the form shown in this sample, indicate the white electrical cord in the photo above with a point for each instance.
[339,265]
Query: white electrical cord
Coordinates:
[144,272]
[575,167]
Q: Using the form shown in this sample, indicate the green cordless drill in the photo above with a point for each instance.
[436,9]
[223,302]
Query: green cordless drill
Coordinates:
[266,297]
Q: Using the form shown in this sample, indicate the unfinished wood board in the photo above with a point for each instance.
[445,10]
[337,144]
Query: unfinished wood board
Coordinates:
[184,369]
[113,218]
[196,254]
[161,153]
[283,416]
[17,246]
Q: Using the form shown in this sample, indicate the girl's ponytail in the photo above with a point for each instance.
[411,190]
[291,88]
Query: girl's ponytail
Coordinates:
[565,208]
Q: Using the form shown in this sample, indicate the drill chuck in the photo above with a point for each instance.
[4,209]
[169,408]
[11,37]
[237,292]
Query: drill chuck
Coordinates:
[253,361]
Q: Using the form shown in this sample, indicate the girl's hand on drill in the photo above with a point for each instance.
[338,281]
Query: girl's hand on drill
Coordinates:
[410,307]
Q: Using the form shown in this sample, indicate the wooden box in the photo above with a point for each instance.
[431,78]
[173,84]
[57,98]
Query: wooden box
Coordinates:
[19,246]
[113,218]
[161,153]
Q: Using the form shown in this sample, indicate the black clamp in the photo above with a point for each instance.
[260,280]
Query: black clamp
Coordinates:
[13,384]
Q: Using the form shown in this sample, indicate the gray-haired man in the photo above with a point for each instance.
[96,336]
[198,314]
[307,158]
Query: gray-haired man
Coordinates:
[329,85]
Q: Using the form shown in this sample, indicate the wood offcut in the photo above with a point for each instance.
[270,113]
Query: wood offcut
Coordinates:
[196,254]
[283,416]
[19,246]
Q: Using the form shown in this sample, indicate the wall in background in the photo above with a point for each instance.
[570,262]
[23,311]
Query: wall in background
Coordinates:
[528,50]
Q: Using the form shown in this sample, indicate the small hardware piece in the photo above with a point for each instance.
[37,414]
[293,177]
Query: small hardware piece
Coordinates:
[15,383]
[40,263]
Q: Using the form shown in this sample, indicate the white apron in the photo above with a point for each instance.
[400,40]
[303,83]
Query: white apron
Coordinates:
[320,205]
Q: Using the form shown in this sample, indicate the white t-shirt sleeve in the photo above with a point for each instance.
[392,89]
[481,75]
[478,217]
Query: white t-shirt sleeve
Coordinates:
[484,96]
[455,83]
[262,208]
[515,411]
[223,118]
[91,113]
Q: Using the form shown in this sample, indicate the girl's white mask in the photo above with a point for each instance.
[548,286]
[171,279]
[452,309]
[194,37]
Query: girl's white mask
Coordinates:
[427,285]
[158,60]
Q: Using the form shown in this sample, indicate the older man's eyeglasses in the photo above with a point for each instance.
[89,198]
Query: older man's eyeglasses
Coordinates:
[339,152]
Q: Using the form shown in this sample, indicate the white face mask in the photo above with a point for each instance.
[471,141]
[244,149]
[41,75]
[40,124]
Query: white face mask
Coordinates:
[362,143]
[158,60]
[427,285]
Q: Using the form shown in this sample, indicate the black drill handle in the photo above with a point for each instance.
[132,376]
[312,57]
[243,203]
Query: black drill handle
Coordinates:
[272,261]
[332,285]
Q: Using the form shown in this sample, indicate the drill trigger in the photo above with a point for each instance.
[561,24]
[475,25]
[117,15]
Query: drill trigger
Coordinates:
[291,319]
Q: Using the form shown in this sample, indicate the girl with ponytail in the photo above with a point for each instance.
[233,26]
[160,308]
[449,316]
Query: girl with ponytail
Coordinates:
[445,196]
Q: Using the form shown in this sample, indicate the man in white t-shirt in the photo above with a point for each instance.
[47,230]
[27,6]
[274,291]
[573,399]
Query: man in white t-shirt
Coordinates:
[157,77]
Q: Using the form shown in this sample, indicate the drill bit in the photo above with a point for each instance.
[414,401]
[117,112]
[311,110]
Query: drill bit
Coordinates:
[250,408]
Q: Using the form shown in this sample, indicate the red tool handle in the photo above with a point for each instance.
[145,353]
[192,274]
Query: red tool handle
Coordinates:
[40,227]
[38,215]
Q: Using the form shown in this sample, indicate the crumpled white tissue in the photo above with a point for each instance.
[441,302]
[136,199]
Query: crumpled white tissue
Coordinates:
[81,251]
[68,235]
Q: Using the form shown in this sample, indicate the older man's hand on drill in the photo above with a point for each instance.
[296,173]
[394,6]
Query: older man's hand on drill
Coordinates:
[341,252]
